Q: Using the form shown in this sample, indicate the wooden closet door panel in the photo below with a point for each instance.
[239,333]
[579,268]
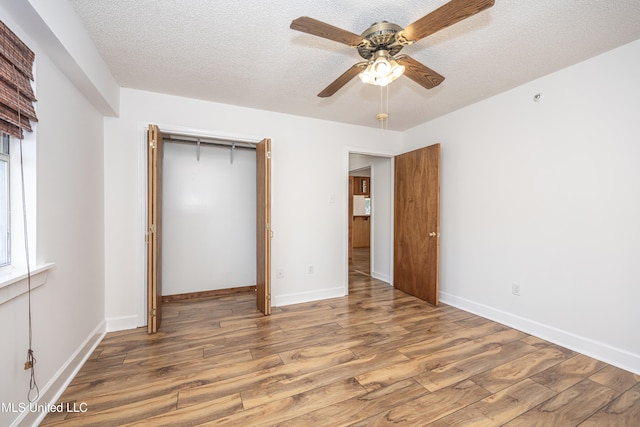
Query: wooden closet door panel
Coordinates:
[263,226]
[155,155]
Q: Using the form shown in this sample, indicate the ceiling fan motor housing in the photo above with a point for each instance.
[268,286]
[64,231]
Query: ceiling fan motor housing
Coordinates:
[379,36]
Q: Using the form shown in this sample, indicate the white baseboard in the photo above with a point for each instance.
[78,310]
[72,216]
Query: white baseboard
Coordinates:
[297,298]
[380,276]
[121,323]
[50,393]
[587,346]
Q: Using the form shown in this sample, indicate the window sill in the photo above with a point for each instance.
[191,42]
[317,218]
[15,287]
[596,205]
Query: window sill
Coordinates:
[13,282]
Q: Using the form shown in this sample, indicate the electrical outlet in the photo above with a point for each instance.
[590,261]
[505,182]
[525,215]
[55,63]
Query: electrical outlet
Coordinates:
[279,273]
[515,289]
[310,269]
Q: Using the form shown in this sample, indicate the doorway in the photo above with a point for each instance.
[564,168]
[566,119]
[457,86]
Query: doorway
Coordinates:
[373,255]
[405,221]
[209,211]
[360,226]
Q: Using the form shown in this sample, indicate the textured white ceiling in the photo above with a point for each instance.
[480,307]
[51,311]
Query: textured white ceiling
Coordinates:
[242,52]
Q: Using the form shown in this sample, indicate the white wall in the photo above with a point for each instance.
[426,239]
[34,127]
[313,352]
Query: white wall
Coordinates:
[309,193]
[68,310]
[382,218]
[209,218]
[547,195]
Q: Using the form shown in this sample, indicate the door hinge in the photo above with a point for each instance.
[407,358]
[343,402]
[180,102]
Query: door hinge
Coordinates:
[268,154]
[152,143]
[152,312]
[152,229]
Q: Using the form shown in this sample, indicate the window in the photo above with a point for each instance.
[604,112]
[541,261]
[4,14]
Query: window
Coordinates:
[17,112]
[5,202]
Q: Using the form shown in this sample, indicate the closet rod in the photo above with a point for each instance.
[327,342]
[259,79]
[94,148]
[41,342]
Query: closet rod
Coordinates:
[211,141]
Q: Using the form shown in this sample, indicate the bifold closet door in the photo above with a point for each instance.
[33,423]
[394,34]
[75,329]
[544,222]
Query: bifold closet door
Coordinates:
[154,232]
[263,226]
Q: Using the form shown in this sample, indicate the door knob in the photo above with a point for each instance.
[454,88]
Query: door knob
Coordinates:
[432,234]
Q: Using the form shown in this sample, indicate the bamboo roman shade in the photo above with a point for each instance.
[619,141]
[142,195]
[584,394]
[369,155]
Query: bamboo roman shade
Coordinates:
[16,94]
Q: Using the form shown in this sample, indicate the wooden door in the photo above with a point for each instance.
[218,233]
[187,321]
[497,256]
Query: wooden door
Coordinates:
[417,223]
[154,232]
[263,226]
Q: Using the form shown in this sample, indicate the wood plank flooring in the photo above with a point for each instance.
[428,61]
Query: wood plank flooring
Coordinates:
[375,358]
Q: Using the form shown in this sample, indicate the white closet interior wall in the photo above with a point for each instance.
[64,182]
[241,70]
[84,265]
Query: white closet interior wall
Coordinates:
[209,216]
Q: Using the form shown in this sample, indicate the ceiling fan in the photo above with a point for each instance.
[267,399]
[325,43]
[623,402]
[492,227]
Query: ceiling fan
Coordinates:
[380,44]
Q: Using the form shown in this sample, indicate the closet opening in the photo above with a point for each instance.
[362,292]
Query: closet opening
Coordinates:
[209,217]
[207,223]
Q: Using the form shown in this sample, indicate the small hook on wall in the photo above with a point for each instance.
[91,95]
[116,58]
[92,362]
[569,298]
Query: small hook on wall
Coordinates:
[233,148]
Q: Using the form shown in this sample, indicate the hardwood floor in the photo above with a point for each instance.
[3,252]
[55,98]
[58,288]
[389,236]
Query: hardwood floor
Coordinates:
[361,263]
[375,358]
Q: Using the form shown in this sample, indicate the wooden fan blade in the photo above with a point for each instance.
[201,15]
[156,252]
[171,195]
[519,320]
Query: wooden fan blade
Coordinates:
[341,81]
[419,73]
[321,29]
[444,16]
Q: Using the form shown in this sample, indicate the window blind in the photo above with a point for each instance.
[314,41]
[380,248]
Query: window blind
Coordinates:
[16,94]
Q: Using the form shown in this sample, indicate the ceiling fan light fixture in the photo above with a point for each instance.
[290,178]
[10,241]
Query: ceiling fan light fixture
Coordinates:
[381,70]
[396,70]
[367,77]
[381,66]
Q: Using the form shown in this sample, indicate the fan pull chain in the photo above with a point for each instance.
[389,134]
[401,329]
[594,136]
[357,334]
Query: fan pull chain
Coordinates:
[381,110]
[386,122]
[383,115]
